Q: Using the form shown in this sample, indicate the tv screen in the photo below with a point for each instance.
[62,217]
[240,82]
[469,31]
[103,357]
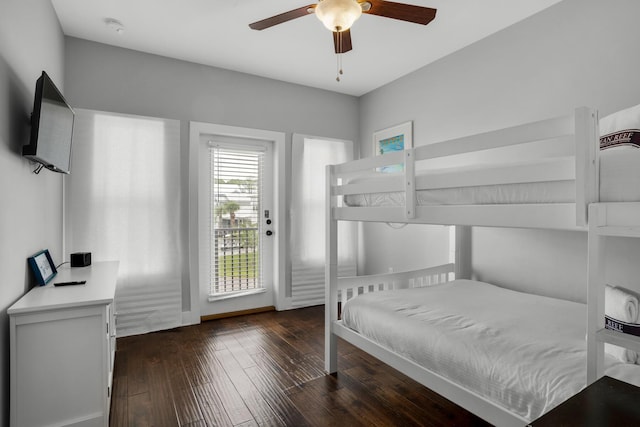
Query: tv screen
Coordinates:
[51,128]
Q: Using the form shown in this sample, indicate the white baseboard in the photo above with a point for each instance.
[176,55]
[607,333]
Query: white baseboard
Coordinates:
[188,318]
[285,304]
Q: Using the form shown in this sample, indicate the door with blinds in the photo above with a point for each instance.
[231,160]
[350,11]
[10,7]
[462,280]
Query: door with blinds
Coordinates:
[240,218]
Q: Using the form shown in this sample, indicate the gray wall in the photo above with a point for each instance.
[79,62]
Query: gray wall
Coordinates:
[31,207]
[578,52]
[109,78]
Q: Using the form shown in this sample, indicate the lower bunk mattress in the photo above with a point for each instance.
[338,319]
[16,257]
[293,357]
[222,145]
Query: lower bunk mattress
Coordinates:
[523,352]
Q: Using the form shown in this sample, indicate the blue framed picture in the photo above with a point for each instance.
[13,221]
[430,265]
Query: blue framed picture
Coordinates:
[42,267]
[396,138]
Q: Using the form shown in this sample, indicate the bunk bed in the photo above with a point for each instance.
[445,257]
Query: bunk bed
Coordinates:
[416,196]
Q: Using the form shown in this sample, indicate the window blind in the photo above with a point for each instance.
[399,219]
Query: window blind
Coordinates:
[235,225]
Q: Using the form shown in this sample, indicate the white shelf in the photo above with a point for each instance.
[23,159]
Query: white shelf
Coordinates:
[621,219]
[631,342]
[618,231]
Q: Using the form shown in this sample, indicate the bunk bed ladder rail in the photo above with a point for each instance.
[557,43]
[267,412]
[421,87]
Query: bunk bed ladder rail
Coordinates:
[409,182]
[587,151]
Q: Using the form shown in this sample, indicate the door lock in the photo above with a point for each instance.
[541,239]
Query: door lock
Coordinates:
[269,233]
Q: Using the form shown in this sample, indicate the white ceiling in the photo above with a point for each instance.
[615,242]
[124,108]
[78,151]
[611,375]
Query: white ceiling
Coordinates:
[216,33]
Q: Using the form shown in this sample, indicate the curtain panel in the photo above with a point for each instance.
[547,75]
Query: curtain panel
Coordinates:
[309,157]
[122,202]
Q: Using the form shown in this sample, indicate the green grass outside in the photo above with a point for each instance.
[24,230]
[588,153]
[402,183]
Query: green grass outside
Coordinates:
[241,266]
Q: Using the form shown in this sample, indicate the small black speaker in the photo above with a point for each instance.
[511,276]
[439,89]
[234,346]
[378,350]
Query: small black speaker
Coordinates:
[81,259]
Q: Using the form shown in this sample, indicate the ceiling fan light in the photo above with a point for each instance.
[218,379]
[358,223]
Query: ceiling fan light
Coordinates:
[338,15]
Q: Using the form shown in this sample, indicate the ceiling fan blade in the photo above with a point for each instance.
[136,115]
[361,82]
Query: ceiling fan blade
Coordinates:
[283,17]
[403,12]
[344,45]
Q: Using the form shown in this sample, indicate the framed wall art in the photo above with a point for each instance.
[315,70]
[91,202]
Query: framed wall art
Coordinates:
[395,138]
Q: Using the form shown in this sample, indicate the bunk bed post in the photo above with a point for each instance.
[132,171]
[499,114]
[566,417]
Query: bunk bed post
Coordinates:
[331,276]
[463,252]
[409,183]
[595,296]
[587,149]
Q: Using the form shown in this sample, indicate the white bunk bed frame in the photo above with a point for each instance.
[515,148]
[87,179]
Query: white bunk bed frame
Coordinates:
[581,127]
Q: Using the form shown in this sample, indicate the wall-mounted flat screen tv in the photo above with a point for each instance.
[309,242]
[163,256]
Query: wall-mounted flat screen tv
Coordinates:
[51,128]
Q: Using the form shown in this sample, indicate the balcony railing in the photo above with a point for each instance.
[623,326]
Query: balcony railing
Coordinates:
[236,259]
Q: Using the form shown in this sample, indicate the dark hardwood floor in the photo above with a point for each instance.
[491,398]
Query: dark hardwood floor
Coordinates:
[267,370]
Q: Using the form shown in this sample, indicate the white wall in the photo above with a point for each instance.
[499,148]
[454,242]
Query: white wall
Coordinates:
[578,52]
[31,208]
[109,78]
[384,247]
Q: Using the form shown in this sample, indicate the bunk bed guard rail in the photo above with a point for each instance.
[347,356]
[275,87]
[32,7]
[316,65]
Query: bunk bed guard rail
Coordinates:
[581,127]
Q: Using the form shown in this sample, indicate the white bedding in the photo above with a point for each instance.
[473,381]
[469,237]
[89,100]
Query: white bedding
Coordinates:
[619,178]
[524,352]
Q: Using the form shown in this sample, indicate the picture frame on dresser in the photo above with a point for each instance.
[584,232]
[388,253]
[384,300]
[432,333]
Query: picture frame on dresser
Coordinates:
[42,267]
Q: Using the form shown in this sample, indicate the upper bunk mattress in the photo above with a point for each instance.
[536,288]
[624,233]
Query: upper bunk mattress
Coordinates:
[524,352]
[619,178]
[523,193]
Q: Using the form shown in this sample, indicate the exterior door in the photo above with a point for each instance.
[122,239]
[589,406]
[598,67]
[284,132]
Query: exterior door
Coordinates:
[240,218]
[236,223]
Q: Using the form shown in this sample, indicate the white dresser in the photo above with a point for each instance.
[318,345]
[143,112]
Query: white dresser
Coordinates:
[62,351]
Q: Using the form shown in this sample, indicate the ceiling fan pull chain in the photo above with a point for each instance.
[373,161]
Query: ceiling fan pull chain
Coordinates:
[339,55]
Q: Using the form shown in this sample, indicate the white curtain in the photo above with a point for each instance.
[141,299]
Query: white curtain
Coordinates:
[310,156]
[122,203]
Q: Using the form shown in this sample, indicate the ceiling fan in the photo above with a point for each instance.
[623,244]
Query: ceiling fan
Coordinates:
[339,15]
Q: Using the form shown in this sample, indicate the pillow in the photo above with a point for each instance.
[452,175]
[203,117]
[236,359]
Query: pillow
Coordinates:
[620,156]
[621,304]
[621,129]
